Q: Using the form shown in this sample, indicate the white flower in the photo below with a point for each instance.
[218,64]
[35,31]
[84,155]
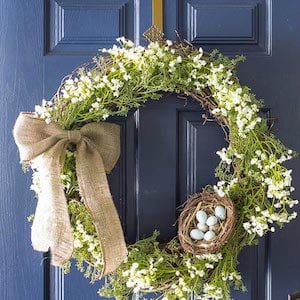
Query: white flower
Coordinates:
[209,266]
[224,155]
[77,243]
[172,63]
[253,161]
[95,105]
[121,39]
[134,265]
[211,291]
[219,190]
[44,110]
[126,77]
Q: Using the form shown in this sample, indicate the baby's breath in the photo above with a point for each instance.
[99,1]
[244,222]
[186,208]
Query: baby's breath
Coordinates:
[251,170]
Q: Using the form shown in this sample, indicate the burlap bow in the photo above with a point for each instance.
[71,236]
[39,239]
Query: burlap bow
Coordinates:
[98,149]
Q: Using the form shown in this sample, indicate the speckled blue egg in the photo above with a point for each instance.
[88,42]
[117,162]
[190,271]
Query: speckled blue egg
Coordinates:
[211,221]
[201,216]
[209,235]
[196,234]
[202,227]
[220,212]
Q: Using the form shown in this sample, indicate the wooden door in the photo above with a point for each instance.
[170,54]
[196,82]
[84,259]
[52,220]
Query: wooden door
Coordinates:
[167,153]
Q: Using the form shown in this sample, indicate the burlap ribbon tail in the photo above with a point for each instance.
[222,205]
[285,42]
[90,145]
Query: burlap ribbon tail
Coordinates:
[97,151]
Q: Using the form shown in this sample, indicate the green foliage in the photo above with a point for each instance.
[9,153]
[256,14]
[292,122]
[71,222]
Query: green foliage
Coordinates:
[87,250]
[251,170]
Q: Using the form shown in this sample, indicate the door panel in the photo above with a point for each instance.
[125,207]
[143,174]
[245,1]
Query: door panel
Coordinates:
[21,269]
[167,151]
[232,26]
[82,27]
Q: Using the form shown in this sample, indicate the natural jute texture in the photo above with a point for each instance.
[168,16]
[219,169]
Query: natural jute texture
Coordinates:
[98,150]
[187,221]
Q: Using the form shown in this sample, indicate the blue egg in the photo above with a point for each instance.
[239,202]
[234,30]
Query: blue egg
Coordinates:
[209,235]
[202,227]
[211,221]
[201,216]
[196,234]
[220,212]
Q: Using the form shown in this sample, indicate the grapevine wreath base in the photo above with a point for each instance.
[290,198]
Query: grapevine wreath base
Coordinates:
[250,172]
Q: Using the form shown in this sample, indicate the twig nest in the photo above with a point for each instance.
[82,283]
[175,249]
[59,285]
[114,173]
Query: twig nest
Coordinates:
[215,228]
[206,223]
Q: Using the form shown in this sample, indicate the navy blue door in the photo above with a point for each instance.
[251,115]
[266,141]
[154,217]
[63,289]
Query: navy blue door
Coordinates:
[167,152]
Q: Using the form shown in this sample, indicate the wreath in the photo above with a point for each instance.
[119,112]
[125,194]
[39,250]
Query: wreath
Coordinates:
[70,148]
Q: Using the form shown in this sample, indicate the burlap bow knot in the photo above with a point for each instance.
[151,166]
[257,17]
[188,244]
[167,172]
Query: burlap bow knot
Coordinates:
[98,149]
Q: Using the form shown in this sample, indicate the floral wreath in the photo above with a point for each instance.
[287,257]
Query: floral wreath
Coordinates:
[250,171]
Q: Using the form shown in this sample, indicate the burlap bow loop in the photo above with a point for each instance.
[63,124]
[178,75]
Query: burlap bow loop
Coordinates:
[98,150]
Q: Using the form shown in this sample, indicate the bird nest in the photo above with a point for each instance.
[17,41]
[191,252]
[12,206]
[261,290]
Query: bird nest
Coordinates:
[207,202]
